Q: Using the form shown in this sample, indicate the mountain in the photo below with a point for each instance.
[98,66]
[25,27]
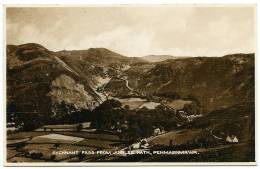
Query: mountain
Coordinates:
[99,55]
[213,81]
[43,81]
[198,101]
[159,58]
[237,119]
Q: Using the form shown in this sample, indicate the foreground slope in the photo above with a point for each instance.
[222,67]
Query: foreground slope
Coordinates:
[39,80]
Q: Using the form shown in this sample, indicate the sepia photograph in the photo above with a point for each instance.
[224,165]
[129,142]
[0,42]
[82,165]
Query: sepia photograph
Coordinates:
[135,84]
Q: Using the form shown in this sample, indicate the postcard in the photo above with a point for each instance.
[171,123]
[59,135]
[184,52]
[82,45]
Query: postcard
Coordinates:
[130,84]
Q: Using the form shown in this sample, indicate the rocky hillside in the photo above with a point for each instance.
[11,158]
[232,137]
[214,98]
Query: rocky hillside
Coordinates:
[39,80]
[214,81]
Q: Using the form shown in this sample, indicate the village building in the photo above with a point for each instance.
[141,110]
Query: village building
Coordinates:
[144,143]
[112,127]
[158,131]
[86,125]
[136,145]
[141,144]
[232,139]
[119,130]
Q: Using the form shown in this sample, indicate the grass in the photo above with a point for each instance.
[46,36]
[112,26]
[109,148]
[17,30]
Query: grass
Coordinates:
[48,149]
[133,104]
[22,135]
[16,141]
[225,153]
[178,137]
[96,143]
[44,140]
[97,136]
[21,159]
[92,141]
[178,104]
[11,152]
[87,135]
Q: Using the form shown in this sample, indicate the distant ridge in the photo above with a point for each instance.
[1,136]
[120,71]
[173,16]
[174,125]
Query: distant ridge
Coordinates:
[159,58]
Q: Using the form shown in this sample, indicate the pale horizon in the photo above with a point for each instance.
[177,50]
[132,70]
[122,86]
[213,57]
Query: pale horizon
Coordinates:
[136,31]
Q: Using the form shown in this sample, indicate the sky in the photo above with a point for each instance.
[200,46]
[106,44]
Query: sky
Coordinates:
[136,31]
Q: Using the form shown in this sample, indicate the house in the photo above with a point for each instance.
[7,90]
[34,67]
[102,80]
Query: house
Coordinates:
[12,127]
[124,126]
[112,127]
[163,131]
[144,143]
[86,125]
[156,132]
[136,145]
[232,139]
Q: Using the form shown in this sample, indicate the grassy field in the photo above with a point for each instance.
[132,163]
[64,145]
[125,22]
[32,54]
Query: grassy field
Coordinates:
[48,149]
[22,135]
[55,138]
[97,143]
[178,137]
[243,152]
[46,146]
[133,103]
[96,136]
[87,135]
[178,104]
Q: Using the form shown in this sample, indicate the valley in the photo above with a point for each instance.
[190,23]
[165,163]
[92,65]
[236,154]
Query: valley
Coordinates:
[98,100]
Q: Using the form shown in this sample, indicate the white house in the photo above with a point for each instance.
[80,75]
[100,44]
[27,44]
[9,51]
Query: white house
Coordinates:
[156,131]
[112,127]
[146,145]
[136,145]
[144,140]
[86,125]
[232,139]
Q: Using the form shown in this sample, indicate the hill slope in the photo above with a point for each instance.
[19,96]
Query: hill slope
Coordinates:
[43,79]
[39,80]
[159,58]
[213,81]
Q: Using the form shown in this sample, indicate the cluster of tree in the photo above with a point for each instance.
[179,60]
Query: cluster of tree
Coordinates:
[170,95]
[67,114]
[133,124]
[30,121]
[108,114]
[193,108]
[62,114]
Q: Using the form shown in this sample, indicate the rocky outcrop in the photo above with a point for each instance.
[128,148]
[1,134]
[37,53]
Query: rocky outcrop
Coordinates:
[65,89]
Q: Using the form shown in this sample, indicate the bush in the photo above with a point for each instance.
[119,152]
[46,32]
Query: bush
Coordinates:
[79,127]
[36,155]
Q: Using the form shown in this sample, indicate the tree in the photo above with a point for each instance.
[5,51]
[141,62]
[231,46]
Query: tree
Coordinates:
[56,145]
[127,107]
[106,114]
[79,127]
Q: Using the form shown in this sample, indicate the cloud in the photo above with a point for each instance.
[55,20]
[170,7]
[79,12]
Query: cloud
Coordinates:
[137,31]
